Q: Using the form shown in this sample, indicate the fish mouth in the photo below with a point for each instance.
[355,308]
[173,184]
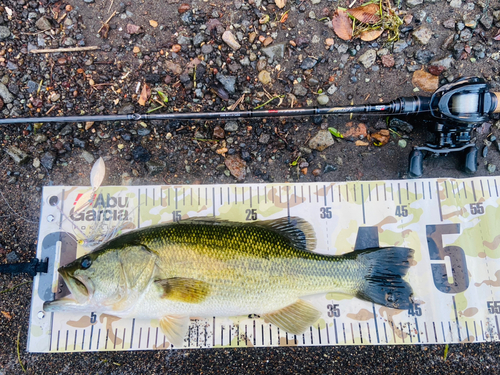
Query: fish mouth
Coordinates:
[80,288]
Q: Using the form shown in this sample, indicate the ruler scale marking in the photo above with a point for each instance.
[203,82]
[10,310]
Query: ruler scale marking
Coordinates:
[60,338]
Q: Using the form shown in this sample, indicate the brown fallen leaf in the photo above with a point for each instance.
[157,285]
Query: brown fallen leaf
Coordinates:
[342,25]
[367,14]
[425,81]
[104,31]
[153,23]
[133,29]
[88,125]
[145,95]
[381,138]
[370,35]
[7,315]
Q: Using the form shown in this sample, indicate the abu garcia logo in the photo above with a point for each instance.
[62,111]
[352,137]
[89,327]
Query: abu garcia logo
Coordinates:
[102,209]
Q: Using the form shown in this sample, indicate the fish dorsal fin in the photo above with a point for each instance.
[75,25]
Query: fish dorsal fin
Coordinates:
[297,230]
[295,318]
[184,290]
[175,327]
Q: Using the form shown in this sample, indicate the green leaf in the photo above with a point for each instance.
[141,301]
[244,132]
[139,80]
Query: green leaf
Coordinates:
[335,133]
[162,96]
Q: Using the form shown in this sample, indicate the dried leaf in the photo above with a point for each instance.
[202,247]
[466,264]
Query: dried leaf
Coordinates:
[280,3]
[104,31]
[97,173]
[88,125]
[145,94]
[335,133]
[7,315]
[153,23]
[367,14]
[370,35]
[133,29]
[342,25]
[381,138]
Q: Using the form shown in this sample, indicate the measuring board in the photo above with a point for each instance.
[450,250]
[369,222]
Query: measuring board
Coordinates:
[451,224]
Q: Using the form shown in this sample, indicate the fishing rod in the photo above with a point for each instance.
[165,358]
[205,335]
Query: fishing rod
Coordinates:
[456,109]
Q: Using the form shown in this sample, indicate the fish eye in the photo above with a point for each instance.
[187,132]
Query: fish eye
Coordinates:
[86,263]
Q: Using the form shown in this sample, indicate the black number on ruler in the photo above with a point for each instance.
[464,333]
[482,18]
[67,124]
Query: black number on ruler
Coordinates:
[93,318]
[493,307]
[456,255]
[402,211]
[325,212]
[333,310]
[476,208]
[415,309]
[176,216]
[251,214]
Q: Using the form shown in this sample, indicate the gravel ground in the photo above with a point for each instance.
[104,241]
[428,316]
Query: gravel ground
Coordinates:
[190,55]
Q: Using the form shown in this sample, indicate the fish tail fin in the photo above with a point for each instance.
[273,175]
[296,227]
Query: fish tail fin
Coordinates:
[383,281]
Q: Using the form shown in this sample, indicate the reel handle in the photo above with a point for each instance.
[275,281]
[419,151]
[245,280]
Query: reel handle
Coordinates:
[497,104]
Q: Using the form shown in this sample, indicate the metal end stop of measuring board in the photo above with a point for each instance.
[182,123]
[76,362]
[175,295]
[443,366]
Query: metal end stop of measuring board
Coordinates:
[31,268]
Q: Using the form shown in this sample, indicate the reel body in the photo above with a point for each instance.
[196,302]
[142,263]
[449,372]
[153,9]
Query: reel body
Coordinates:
[456,110]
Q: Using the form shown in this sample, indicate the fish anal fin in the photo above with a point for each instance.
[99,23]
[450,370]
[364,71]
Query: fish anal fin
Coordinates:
[295,318]
[175,327]
[184,289]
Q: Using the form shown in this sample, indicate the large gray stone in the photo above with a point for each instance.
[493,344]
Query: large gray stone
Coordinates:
[43,24]
[4,32]
[18,155]
[321,141]
[422,35]
[5,94]
[368,58]
[275,51]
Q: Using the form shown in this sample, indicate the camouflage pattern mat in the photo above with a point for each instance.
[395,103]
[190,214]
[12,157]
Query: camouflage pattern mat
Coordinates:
[451,224]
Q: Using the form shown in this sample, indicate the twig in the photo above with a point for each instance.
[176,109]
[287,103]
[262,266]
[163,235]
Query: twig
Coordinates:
[51,108]
[109,19]
[233,107]
[14,287]
[18,351]
[269,101]
[68,49]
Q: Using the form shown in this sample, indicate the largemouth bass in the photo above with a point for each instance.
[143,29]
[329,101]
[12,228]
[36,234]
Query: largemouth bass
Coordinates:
[207,267]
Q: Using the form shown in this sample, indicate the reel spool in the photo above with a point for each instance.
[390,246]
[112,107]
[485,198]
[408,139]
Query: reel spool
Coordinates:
[458,108]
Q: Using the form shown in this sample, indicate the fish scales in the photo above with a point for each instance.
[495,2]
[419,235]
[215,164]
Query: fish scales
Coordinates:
[248,268]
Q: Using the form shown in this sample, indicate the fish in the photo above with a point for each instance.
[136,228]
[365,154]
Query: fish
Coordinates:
[207,267]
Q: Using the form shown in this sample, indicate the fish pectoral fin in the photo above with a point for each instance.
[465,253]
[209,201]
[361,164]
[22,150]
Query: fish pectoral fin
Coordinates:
[295,318]
[175,327]
[184,289]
